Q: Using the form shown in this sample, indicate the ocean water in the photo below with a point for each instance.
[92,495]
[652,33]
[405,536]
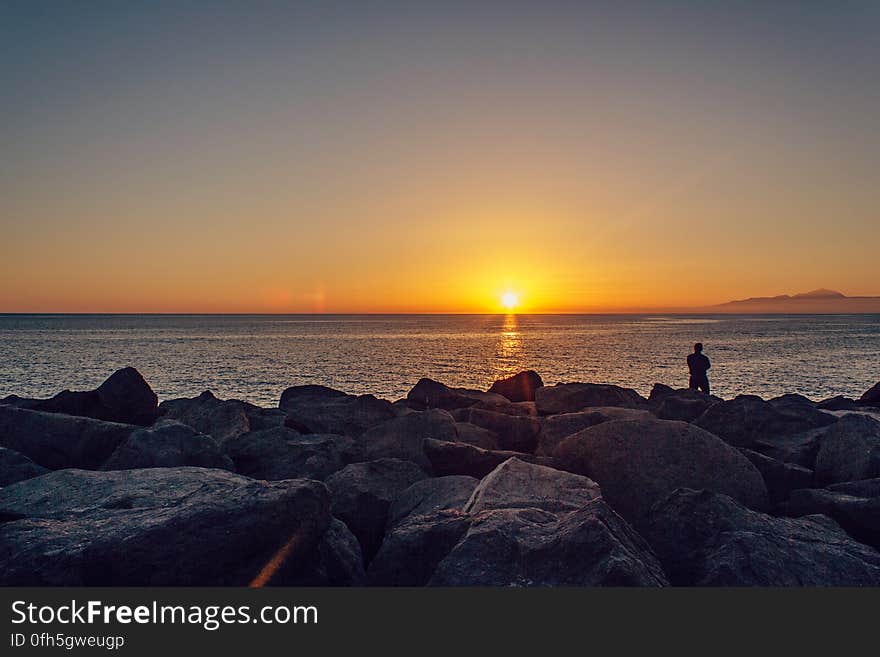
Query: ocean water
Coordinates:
[255,357]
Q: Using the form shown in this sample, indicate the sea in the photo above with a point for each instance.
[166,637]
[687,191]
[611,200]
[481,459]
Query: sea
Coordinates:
[255,357]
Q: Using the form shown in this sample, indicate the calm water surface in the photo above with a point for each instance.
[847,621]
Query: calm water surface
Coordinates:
[256,357]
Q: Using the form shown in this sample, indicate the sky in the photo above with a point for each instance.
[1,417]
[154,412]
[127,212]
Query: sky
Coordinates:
[431,157]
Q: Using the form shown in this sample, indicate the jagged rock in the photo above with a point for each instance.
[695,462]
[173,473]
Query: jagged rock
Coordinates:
[519,387]
[639,462]
[222,419]
[860,488]
[16,467]
[361,494]
[849,450]
[658,392]
[448,458]
[428,393]
[402,437]
[156,527]
[531,547]
[335,561]
[799,449]
[747,418]
[838,403]
[859,516]
[709,539]
[412,549]
[428,496]
[317,409]
[515,484]
[556,428]
[871,397]
[781,478]
[685,405]
[282,453]
[167,444]
[515,432]
[55,441]
[124,398]
[574,397]
[792,402]
[476,436]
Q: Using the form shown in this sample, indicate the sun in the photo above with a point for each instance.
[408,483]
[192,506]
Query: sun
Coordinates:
[510,300]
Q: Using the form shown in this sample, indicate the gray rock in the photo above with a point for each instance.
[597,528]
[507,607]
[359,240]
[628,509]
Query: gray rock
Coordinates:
[532,547]
[282,453]
[455,458]
[685,405]
[871,397]
[556,428]
[167,444]
[799,448]
[639,462]
[838,403]
[156,527]
[860,488]
[16,467]
[428,393]
[361,494]
[781,478]
[335,561]
[859,516]
[708,539]
[849,450]
[476,436]
[517,433]
[428,496]
[746,419]
[55,441]
[411,551]
[222,419]
[403,437]
[316,409]
[574,397]
[519,387]
[515,484]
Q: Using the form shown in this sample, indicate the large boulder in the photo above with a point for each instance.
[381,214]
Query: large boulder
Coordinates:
[282,453]
[556,428]
[747,418]
[455,458]
[16,467]
[361,494]
[708,539]
[574,397]
[519,387]
[124,397]
[515,484]
[335,561]
[838,403]
[860,488]
[518,433]
[317,409]
[798,448]
[428,496]
[532,547]
[781,478]
[849,450]
[685,405]
[428,393]
[859,516]
[167,444]
[403,437]
[55,441]
[476,436]
[413,548]
[157,527]
[871,397]
[639,462]
[222,419]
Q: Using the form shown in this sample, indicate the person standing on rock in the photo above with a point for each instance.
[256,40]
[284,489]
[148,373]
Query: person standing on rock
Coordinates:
[699,365]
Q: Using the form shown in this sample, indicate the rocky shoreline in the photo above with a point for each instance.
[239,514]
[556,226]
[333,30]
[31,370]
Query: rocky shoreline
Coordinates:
[575,484]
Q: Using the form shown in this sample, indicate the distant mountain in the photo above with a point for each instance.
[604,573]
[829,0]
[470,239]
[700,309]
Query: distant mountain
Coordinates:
[815,301]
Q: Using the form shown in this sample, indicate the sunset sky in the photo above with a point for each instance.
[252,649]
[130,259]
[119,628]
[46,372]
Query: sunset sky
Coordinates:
[429,157]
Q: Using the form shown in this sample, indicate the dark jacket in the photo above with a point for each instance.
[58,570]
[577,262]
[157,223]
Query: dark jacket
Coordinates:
[698,364]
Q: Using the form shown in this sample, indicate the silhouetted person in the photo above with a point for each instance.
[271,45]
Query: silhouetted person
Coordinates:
[698,364]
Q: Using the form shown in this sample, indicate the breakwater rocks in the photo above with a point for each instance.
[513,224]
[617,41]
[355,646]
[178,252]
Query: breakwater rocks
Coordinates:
[575,484]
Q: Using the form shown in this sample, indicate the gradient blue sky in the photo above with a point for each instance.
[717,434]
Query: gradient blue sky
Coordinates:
[388,156]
